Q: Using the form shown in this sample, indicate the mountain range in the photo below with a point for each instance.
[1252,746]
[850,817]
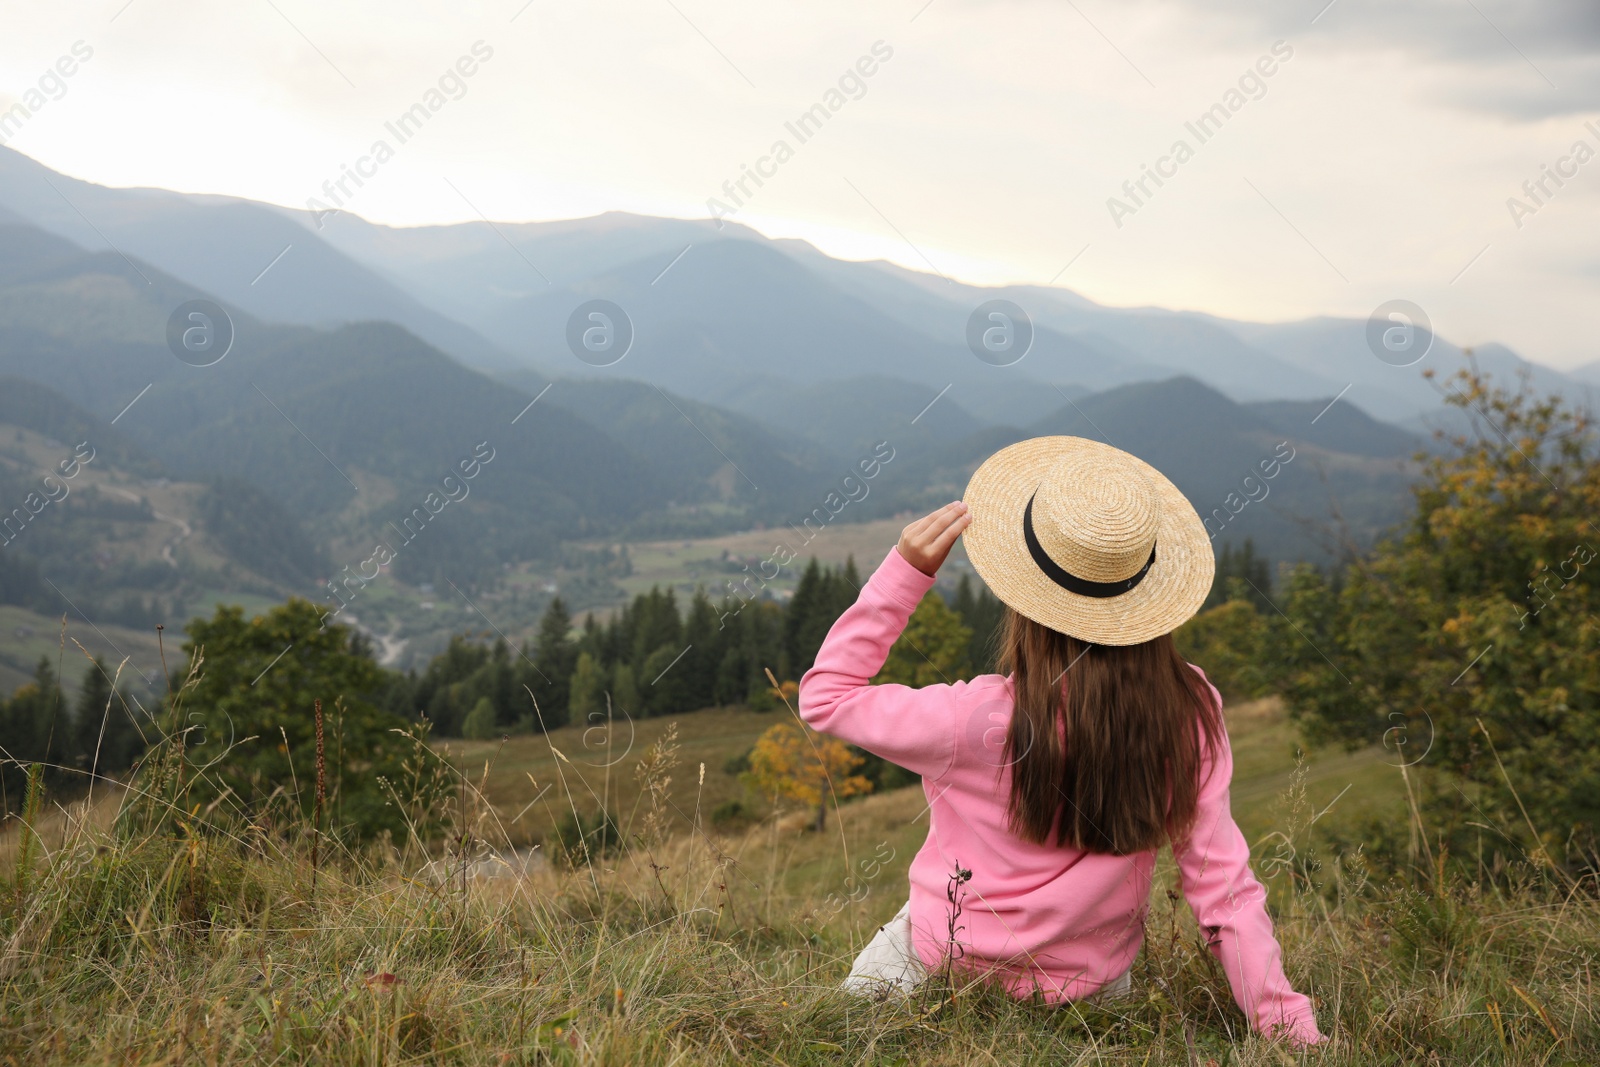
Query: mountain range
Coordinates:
[721,313]
[369,363]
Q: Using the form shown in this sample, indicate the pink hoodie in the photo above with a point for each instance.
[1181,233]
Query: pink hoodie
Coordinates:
[1055,919]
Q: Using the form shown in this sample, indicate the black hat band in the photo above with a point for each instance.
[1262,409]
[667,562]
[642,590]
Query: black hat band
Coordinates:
[1066,579]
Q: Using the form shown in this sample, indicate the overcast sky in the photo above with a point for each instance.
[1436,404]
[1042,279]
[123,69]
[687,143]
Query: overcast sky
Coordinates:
[1375,162]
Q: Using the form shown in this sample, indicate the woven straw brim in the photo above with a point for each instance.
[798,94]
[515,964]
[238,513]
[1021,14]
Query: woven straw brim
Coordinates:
[1173,590]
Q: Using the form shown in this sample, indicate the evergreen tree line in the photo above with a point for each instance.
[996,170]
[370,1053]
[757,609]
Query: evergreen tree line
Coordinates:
[39,724]
[1242,574]
[653,657]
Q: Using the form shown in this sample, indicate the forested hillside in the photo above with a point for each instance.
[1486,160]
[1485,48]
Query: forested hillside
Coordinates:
[659,656]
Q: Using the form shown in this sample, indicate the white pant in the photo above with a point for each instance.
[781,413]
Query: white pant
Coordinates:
[889,964]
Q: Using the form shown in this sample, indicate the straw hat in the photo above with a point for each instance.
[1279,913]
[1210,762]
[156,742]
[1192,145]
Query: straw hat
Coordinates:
[1088,540]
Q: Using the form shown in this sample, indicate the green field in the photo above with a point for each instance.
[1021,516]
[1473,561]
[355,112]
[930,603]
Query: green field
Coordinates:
[26,635]
[531,788]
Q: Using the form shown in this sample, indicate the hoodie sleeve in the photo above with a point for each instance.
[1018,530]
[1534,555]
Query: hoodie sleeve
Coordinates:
[914,728]
[1231,907]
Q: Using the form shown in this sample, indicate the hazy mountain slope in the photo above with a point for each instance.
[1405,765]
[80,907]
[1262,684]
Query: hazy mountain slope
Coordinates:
[828,425]
[228,245]
[470,269]
[847,415]
[1588,373]
[378,406]
[1300,360]
[1337,348]
[1138,344]
[383,403]
[692,445]
[107,540]
[730,312]
[31,406]
[28,253]
[1113,346]
[298,411]
[1191,344]
[472,272]
[1337,427]
[734,314]
[716,313]
[88,324]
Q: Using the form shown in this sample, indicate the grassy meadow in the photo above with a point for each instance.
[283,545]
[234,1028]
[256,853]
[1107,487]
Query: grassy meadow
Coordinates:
[528,785]
[141,931]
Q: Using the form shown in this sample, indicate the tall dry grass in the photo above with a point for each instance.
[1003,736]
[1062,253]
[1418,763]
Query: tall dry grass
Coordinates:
[144,932]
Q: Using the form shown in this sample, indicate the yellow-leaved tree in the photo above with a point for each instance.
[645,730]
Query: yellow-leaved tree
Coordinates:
[799,764]
[788,692]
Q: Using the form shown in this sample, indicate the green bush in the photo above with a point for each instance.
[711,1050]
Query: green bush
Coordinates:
[737,765]
[732,815]
[245,715]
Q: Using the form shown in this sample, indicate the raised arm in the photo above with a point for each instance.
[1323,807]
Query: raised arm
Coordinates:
[1231,907]
[915,728]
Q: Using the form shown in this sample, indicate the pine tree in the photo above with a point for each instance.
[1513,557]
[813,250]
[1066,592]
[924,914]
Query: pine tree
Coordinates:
[443,712]
[590,683]
[592,640]
[808,602]
[933,648]
[763,643]
[661,682]
[480,722]
[625,692]
[700,663]
[501,683]
[553,659]
[733,674]
[433,691]
[93,709]
[844,588]
[105,738]
[30,731]
[617,636]
[39,728]
[1241,575]
[656,623]
[981,612]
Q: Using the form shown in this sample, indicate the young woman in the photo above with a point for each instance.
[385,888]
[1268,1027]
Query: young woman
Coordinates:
[1054,782]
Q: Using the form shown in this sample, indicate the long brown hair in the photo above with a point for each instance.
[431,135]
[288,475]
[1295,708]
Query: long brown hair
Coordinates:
[1104,741]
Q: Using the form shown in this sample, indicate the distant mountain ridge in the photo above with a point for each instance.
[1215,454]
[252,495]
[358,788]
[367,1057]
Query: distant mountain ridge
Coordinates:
[722,315]
[303,413]
[237,248]
[369,361]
